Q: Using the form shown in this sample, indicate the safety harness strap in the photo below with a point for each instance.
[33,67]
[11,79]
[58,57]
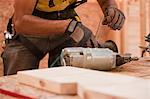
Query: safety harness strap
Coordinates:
[57,15]
[77,3]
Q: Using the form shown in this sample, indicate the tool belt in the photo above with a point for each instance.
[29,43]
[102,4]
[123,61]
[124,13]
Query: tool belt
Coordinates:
[64,40]
[77,3]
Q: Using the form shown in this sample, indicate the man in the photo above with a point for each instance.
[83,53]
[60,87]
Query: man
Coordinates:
[47,26]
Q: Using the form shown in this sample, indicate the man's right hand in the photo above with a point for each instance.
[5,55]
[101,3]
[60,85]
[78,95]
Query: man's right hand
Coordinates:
[75,31]
[78,34]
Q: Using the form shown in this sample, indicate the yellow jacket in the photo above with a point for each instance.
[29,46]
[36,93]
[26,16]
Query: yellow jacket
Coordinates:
[53,5]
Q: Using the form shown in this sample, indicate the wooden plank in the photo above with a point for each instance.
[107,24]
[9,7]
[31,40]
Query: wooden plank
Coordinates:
[83,80]
[102,85]
[94,95]
[11,84]
[133,90]
[50,79]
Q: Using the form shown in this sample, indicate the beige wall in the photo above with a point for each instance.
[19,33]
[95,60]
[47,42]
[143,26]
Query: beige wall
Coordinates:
[90,14]
[130,37]
[6,10]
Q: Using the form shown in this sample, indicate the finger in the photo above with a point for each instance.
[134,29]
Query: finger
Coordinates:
[111,12]
[111,26]
[106,13]
[105,18]
[118,22]
[109,15]
[105,21]
[121,23]
[115,18]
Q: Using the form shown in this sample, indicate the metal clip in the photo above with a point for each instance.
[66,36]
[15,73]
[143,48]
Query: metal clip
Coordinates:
[8,35]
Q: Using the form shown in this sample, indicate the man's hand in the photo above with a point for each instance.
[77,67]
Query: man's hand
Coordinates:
[75,31]
[114,18]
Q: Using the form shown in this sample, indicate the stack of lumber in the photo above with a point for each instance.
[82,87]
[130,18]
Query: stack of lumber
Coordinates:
[10,88]
[87,84]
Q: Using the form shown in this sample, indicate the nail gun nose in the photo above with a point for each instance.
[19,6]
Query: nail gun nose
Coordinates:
[120,60]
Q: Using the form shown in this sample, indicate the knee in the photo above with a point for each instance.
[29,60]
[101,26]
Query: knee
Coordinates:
[9,62]
[17,59]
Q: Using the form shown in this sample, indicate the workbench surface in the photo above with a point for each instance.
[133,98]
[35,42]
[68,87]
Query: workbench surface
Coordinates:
[139,68]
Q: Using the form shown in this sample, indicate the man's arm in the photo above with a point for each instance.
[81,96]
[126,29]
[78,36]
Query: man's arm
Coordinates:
[113,17]
[26,23]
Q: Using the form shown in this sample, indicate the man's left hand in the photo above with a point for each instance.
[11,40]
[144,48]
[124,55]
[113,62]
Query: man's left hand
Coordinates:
[114,18]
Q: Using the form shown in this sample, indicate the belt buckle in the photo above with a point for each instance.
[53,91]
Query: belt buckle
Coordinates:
[58,14]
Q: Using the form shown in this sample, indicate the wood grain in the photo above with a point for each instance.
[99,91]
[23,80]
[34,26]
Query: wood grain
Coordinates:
[139,68]
[11,84]
[72,80]
[52,80]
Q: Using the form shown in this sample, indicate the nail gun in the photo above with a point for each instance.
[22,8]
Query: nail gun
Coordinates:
[93,58]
